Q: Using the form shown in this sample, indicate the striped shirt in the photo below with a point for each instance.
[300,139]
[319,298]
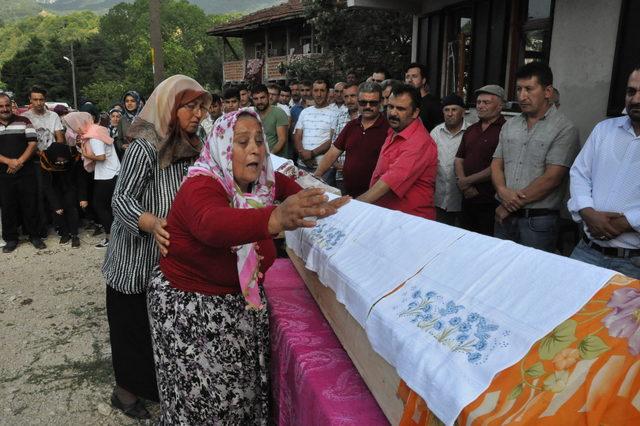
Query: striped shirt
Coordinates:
[14,141]
[142,187]
[316,125]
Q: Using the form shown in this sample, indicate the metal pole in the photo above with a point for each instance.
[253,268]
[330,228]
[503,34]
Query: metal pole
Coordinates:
[156,42]
[73,79]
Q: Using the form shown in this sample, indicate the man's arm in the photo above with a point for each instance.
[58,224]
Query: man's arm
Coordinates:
[322,148]
[511,200]
[59,134]
[481,176]
[282,132]
[327,161]
[375,192]
[545,184]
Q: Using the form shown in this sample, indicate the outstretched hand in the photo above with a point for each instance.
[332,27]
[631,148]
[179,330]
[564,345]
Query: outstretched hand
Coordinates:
[301,210]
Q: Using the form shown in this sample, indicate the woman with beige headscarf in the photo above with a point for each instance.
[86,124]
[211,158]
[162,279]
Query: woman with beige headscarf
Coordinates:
[164,144]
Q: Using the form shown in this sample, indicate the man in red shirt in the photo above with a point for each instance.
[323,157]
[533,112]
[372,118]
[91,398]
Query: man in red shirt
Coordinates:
[405,176]
[362,138]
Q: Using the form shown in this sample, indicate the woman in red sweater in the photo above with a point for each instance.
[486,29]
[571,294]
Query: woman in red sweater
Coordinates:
[207,309]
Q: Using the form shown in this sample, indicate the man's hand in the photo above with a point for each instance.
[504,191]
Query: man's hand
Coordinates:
[501,214]
[59,212]
[512,200]
[125,145]
[601,225]
[84,204]
[470,192]
[306,155]
[463,184]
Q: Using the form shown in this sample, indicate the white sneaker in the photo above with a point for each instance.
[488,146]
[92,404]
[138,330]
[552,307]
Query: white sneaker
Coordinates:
[103,244]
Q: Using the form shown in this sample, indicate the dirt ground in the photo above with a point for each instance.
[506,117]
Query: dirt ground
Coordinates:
[55,361]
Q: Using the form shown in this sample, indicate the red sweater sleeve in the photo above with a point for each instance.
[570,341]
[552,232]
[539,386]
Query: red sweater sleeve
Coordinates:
[285,186]
[205,211]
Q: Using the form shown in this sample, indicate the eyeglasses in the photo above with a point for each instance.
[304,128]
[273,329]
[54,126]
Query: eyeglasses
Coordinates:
[372,103]
[193,107]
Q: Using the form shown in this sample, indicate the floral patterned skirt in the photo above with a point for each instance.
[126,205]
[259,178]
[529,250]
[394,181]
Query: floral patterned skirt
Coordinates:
[211,355]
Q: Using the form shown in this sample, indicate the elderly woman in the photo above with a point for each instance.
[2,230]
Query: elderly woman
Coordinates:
[164,145]
[207,310]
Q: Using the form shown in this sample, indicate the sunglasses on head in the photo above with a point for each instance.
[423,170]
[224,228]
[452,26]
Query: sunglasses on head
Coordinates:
[372,103]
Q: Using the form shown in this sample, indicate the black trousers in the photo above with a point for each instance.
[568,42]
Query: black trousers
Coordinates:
[478,218]
[61,192]
[131,347]
[19,206]
[102,194]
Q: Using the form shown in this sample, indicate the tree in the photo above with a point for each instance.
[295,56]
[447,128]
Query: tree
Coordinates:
[357,38]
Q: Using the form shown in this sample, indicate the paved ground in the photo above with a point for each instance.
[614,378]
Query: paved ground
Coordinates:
[55,363]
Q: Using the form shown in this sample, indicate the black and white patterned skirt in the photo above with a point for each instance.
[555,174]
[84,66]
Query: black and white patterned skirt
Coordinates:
[211,355]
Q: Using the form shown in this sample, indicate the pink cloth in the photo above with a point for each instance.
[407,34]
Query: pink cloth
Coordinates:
[314,381]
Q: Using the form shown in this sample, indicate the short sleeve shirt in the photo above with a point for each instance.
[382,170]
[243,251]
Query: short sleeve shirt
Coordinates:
[275,118]
[108,168]
[46,125]
[476,149]
[14,140]
[316,124]
[363,149]
[408,164]
[448,196]
[526,153]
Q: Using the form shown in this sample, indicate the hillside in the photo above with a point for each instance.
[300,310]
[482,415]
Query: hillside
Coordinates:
[100,6]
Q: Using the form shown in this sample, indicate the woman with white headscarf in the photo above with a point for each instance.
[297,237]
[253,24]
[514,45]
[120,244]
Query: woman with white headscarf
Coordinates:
[164,144]
[207,309]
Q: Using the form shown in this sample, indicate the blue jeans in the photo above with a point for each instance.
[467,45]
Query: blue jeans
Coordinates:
[540,232]
[587,254]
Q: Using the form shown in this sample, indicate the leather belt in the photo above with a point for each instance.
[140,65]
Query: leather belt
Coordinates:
[535,212]
[611,251]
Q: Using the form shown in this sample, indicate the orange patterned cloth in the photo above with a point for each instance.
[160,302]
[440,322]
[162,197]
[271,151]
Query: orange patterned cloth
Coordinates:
[586,371]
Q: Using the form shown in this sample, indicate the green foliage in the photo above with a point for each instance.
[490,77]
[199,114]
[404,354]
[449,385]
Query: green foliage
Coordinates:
[359,39]
[112,52]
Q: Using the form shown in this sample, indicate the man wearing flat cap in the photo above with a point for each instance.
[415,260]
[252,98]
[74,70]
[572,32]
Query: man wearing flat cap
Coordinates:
[473,161]
[531,163]
[447,136]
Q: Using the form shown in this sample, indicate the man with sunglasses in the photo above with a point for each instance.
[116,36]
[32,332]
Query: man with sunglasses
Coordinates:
[605,190]
[361,139]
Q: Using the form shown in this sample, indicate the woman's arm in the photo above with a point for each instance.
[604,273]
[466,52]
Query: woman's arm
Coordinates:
[132,183]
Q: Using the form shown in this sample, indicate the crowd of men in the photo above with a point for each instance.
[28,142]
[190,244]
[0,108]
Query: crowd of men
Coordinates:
[395,144]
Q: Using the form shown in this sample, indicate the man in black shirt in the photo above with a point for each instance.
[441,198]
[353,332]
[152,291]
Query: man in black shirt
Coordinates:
[431,110]
[18,187]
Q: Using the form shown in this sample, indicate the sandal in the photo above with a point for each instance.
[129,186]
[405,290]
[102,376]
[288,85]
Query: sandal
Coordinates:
[135,410]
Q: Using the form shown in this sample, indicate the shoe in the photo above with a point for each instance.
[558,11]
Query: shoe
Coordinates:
[9,246]
[97,230]
[65,239]
[134,410]
[75,242]
[38,243]
[102,244]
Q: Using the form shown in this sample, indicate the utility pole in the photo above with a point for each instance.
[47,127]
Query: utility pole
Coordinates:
[72,62]
[157,56]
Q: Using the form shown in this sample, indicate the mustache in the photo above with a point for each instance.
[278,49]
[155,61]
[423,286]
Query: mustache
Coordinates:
[633,106]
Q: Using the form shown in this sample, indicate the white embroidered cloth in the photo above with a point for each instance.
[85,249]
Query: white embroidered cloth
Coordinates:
[470,305]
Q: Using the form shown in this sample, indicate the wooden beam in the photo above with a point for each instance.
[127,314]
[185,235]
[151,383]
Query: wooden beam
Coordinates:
[381,378]
[411,6]
[226,42]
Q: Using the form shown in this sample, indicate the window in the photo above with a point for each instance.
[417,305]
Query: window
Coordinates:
[259,49]
[536,31]
[627,54]
[458,53]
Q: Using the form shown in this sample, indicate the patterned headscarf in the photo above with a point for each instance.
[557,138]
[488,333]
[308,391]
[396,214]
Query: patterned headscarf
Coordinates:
[216,161]
[135,95]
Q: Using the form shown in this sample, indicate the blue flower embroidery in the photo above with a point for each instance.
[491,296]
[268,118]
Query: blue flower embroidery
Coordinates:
[452,326]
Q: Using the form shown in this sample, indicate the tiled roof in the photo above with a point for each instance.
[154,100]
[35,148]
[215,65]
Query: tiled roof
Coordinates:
[290,10]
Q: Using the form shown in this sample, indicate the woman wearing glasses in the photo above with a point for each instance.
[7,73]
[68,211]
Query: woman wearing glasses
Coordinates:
[164,144]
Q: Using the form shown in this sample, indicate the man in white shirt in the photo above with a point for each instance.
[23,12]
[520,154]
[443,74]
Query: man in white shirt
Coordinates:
[338,98]
[447,135]
[49,130]
[313,131]
[605,190]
